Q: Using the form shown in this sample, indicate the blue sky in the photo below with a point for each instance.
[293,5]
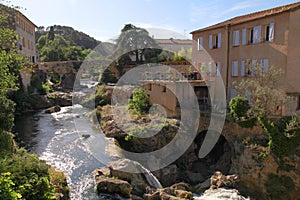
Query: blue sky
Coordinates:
[104,19]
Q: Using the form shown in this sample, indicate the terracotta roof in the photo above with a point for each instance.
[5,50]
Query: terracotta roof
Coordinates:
[174,41]
[252,16]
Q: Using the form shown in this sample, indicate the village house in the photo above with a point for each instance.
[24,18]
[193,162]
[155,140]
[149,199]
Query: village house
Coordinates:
[236,46]
[25,30]
[174,45]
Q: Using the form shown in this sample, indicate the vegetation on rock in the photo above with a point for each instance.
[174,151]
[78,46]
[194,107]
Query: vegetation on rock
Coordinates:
[139,104]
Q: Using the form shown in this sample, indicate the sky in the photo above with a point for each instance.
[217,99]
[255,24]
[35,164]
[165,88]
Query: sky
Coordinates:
[103,20]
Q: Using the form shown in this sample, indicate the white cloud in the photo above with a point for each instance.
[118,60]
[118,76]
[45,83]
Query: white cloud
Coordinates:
[240,6]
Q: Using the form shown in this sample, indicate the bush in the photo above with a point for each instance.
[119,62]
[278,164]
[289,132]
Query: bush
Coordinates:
[283,141]
[29,175]
[6,188]
[139,104]
[45,89]
[239,108]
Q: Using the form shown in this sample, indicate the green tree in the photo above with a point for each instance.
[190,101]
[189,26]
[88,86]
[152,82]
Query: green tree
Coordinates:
[140,102]
[135,41]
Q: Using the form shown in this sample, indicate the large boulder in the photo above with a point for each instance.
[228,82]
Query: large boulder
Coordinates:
[221,194]
[120,169]
[113,185]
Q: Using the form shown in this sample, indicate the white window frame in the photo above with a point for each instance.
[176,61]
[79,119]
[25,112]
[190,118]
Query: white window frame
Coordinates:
[200,43]
[243,68]
[271,31]
[235,68]
[219,40]
[257,34]
[236,38]
[210,42]
[244,36]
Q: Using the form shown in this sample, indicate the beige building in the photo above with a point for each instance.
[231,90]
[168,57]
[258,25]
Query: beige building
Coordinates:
[25,30]
[236,46]
[174,45]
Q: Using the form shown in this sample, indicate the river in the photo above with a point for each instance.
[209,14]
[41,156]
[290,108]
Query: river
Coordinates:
[55,138]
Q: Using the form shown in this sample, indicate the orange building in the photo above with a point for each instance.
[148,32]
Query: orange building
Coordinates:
[25,30]
[268,38]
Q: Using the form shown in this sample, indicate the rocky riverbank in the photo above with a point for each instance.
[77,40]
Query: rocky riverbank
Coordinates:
[34,102]
[239,151]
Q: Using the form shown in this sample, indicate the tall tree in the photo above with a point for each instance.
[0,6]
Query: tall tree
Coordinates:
[134,41]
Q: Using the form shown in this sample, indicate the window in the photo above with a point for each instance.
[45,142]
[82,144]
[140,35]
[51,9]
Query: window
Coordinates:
[251,36]
[243,68]
[256,34]
[244,36]
[149,87]
[236,38]
[218,68]
[264,64]
[164,89]
[23,42]
[248,95]
[249,70]
[269,32]
[235,68]
[210,42]
[215,41]
[200,43]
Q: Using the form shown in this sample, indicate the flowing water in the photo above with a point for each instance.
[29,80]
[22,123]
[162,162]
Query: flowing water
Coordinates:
[54,137]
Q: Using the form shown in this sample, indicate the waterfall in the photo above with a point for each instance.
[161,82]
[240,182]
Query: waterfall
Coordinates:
[151,179]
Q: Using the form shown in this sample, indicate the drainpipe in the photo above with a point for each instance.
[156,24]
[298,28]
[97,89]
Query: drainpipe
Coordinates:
[228,59]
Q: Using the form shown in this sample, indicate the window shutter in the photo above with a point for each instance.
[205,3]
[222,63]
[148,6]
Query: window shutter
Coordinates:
[200,43]
[243,68]
[244,36]
[266,65]
[271,31]
[210,42]
[257,34]
[218,68]
[236,38]
[254,63]
[235,69]
[210,67]
[219,39]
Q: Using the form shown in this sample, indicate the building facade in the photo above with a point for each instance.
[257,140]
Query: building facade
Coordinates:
[25,30]
[26,36]
[266,38]
[174,45]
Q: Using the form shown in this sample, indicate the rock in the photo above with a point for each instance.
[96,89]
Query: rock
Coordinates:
[202,186]
[177,191]
[113,185]
[218,180]
[170,172]
[62,98]
[119,169]
[38,101]
[221,194]
[53,109]
[85,136]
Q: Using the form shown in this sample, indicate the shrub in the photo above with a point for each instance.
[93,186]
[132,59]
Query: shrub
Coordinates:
[282,140]
[29,175]
[140,102]
[6,187]
[239,108]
